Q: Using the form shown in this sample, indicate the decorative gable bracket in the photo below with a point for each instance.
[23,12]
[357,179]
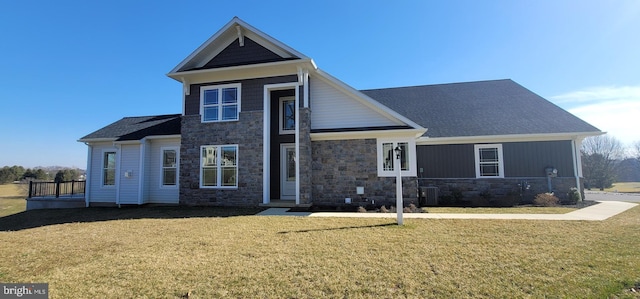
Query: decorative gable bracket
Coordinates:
[186,87]
[240,35]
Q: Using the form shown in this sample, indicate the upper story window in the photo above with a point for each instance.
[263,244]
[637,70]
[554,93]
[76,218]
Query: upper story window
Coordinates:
[287,115]
[109,169]
[387,157]
[220,102]
[489,161]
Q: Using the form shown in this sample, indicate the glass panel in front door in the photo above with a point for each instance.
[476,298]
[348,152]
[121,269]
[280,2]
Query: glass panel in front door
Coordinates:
[291,165]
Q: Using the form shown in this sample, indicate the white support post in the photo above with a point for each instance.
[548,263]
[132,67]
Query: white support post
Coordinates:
[398,187]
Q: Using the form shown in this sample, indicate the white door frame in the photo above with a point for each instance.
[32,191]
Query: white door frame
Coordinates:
[266,138]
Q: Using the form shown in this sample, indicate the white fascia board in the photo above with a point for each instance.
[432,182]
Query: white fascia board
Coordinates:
[162,137]
[270,69]
[270,39]
[407,133]
[228,34]
[366,100]
[92,140]
[505,138]
[128,142]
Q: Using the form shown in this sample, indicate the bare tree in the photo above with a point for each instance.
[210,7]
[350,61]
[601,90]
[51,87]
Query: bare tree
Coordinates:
[599,154]
[636,150]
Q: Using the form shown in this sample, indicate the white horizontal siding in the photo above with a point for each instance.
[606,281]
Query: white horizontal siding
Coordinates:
[129,162]
[153,170]
[98,193]
[332,108]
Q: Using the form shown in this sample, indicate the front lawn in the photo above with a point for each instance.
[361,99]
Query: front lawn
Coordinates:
[213,253]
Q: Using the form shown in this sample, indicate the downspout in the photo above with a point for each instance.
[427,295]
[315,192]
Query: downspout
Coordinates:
[577,165]
[87,176]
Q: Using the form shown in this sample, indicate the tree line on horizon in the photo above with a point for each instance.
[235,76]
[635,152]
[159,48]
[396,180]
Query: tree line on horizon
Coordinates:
[10,174]
[605,160]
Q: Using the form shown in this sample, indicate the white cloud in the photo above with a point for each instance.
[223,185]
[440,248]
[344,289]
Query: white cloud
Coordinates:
[615,110]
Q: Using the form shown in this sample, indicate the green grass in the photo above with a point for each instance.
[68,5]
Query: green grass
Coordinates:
[510,210]
[12,199]
[214,253]
[633,187]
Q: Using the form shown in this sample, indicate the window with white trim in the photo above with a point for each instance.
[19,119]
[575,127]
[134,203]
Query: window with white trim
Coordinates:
[219,166]
[387,157]
[109,169]
[169,165]
[287,115]
[220,102]
[489,161]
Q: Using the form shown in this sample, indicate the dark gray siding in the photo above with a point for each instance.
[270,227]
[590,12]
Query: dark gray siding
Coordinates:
[446,161]
[529,159]
[521,159]
[277,140]
[251,97]
[250,53]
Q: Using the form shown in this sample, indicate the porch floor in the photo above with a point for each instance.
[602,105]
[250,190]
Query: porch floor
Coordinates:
[279,203]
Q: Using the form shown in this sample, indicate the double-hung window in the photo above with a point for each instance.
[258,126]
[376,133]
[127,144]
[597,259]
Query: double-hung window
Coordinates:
[387,157]
[220,102]
[109,169]
[489,161]
[169,164]
[219,166]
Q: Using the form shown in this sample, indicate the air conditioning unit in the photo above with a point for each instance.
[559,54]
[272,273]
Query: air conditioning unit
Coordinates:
[428,196]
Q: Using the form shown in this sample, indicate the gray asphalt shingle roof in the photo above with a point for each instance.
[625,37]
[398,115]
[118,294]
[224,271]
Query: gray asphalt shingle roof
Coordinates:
[136,128]
[499,107]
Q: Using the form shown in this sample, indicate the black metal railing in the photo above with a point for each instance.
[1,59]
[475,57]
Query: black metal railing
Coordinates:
[57,189]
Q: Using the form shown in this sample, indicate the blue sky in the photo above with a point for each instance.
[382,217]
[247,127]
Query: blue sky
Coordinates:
[72,67]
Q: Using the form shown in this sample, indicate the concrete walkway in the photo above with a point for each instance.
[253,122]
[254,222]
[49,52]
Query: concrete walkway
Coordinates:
[601,211]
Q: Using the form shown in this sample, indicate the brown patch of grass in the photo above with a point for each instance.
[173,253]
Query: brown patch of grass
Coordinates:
[632,187]
[510,210]
[12,199]
[253,256]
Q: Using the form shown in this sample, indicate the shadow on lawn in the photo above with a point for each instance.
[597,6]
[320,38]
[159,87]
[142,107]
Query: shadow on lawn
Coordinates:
[336,228]
[38,218]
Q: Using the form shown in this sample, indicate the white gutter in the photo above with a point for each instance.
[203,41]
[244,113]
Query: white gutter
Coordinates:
[411,133]
[504,138]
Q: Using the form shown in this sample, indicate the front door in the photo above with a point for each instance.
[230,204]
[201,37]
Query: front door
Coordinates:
[288,171]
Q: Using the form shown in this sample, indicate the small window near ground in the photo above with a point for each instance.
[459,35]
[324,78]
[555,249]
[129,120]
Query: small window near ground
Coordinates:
[489,161]
[109,169]
[169,167]
[219,166]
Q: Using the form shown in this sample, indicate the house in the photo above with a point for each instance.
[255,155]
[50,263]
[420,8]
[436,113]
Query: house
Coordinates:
[262,124]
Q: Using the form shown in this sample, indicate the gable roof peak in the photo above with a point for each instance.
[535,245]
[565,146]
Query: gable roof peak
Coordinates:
[235,29]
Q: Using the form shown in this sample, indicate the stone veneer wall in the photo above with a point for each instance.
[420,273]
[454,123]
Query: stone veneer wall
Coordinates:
[247,134]
[472,189]
[339,166]
[305,156]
